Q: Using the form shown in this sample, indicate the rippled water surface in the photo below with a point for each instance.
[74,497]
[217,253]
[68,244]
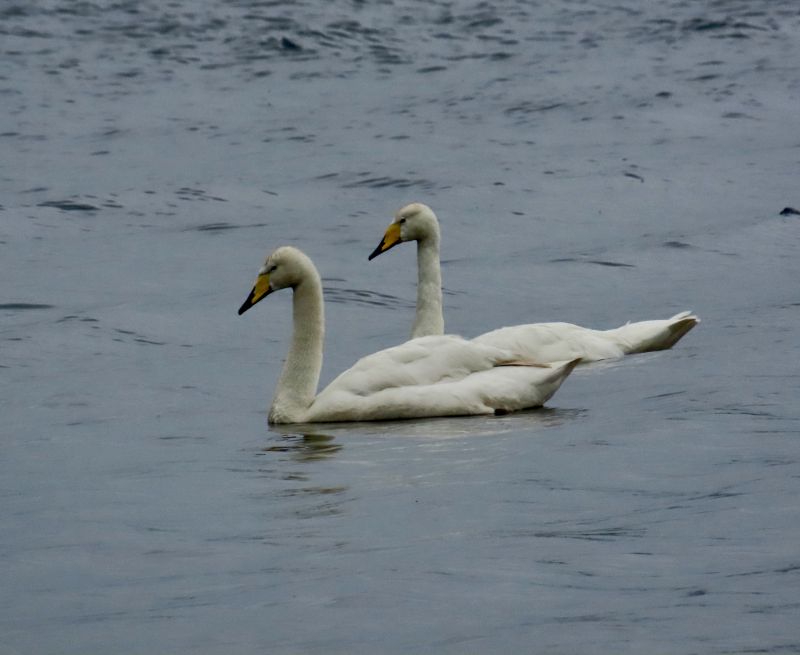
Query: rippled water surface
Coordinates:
[589,163]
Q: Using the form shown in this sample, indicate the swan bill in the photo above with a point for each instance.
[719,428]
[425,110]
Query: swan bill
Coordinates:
[390,240]
[261,290]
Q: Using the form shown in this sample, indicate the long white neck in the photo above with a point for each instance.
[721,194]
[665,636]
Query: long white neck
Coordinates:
[297,386]
[429,319]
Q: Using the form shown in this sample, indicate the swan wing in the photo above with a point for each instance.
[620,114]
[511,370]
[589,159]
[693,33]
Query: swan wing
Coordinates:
[550,342]
[501,388]
[418,362]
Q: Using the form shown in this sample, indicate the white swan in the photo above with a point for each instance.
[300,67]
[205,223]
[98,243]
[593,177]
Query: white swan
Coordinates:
[431,376]
[542,342]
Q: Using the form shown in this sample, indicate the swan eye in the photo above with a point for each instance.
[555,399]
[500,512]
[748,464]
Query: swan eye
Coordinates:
[401,221]
[272,268]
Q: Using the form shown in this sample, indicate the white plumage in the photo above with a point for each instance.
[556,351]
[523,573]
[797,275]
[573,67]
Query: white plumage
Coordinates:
[540,342]
[430,376]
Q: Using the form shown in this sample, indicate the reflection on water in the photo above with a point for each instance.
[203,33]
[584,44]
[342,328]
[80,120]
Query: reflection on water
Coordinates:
[315,502]
[311,479]
[301,494]
[308,447]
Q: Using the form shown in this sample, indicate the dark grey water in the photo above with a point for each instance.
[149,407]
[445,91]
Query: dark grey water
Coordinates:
[590,163]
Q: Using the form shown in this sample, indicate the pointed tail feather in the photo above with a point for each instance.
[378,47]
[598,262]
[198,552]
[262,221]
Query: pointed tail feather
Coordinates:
[561,371]
[647,336]
[538,394]
[675,331]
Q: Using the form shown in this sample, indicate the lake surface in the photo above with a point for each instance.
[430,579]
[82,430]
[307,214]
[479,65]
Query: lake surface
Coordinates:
[588,163]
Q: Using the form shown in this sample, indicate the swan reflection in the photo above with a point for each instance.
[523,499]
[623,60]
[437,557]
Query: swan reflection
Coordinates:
[314,445]
[308,447]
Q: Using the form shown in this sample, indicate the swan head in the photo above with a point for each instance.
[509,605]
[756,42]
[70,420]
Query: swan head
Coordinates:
[414,222]
[286,267]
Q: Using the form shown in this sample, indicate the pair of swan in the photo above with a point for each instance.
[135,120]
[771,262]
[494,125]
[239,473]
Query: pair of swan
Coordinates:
[432,374]
[437,375]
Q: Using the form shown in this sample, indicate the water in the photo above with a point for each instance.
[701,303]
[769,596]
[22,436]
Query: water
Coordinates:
[588,163]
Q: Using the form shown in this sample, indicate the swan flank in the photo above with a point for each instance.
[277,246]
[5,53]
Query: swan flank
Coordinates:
[542,342]
[425,377]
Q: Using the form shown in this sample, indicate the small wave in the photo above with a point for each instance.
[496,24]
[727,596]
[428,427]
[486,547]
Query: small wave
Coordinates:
[603,262]
[69,205]
[597,262]
[384,181]
[533,107]
[221,226]
[20,306]
[364,297]
[187,193]
[215,227]
[149,342]
[592,534]
[74,317]
[634,176]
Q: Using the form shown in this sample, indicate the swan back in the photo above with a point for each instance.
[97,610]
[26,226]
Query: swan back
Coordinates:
[549,342]
[552,342]
[437,376]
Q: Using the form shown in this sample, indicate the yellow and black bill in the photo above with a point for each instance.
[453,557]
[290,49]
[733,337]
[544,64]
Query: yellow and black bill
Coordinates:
[261,290]
[390,240]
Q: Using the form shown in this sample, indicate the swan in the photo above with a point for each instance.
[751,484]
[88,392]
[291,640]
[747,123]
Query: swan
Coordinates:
[439,375]
[542,342]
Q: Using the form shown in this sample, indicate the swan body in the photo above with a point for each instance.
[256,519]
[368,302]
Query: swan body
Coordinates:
[542,342]
[548,342]
[440,375]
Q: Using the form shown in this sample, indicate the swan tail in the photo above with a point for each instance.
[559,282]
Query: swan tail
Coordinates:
[563,369]
[537,394]
[647,336]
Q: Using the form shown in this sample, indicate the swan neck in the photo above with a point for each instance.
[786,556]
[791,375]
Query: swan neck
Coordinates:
[429,319]
[297,385]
